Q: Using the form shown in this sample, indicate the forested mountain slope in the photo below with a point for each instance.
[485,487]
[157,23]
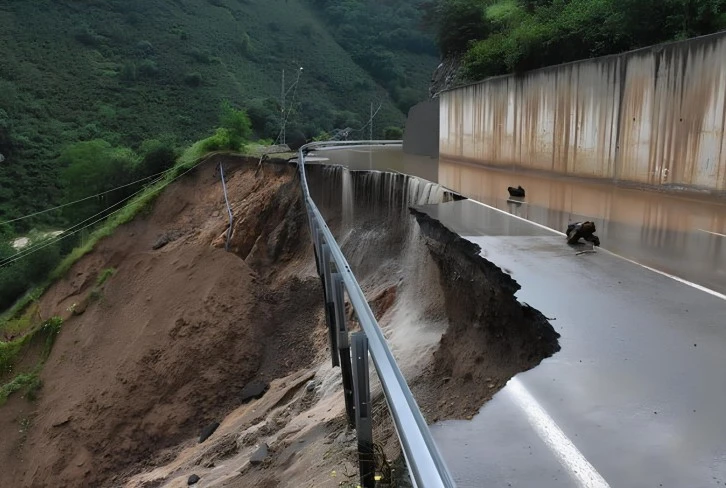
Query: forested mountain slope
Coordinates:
[494,37]
[125,71]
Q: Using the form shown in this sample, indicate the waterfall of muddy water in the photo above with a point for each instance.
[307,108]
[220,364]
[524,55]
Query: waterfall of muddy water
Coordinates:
[368,212]
[347,202]
[452,318]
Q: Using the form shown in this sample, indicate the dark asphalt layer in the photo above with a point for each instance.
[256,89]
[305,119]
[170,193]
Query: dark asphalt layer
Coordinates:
[639,386]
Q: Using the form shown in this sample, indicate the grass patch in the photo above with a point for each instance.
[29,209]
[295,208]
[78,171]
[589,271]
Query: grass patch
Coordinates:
[24,318]
[29,383]
[104,275]
[9,351]
[12,320]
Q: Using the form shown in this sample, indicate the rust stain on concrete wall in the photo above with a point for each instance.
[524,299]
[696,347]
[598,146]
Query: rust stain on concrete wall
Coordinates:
[654,116]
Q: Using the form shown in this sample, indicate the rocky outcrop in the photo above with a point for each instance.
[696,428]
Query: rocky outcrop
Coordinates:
[446,76]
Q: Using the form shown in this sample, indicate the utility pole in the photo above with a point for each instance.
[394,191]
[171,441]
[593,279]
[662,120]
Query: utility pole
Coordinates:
[282,111]
[370,137]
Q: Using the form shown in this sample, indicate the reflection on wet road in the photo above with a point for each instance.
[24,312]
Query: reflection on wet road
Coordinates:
[679,235]
[636,397]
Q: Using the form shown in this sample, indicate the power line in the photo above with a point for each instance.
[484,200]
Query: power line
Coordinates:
[281,137]
[12,259]
[30,250]
[82,199]
[370,120]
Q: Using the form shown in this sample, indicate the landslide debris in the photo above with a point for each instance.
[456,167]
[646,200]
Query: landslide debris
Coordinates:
[491,335]
[176,334]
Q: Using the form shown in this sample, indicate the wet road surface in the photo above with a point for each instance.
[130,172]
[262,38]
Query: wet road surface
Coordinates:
[638,389]
[680,235]
[637,395]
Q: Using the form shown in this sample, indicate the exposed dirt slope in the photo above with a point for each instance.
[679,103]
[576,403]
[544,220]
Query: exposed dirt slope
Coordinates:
[171,339]
[491,335]
[168,343]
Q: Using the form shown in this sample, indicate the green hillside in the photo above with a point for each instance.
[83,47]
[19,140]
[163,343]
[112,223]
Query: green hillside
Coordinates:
[494,37]
[129,70]
[96,94]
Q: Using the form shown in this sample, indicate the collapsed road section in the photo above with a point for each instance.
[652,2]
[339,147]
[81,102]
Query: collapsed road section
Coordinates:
[174,340]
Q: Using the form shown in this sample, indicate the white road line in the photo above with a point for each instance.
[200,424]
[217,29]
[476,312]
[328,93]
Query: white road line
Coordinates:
[662,273]
[547,429]
[714,233]
[676,278]
[519,218]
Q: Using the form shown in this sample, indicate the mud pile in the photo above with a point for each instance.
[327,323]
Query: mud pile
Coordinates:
[172,338]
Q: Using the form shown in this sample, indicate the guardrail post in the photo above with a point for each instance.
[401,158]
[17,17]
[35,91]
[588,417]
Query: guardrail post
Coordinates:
[320,239]
[363,421]
[329,304]
[343,346]
[316,244]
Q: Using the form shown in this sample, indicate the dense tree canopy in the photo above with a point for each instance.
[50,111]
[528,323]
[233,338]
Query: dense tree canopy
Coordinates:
[124,71]
[504,36]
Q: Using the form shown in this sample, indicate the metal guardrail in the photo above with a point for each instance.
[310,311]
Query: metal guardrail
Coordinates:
[425,464]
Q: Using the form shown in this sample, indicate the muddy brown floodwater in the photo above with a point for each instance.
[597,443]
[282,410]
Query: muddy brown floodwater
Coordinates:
[680,233]
[683,234]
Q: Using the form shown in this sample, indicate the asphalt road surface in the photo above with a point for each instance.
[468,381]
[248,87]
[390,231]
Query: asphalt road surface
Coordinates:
[635,398]
[637,395]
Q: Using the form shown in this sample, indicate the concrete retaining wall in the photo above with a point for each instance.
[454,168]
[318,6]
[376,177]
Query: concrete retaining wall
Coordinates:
[421,136]
[654,116]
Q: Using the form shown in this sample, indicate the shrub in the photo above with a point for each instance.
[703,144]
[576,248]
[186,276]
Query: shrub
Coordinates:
[104,275]
[129,72]
[237,124]
[393,133]
[193,79]
[148,68]
[29,381]
[93,167]
[217,142]
[145,48]
[157,156]
[322,136]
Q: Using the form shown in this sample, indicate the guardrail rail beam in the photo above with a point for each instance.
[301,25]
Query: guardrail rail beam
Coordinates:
[423,460]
